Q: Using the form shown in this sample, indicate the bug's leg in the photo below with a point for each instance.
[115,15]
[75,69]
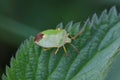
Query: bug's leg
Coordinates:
[45,49]
[75,48]
[57,50]
[65,50]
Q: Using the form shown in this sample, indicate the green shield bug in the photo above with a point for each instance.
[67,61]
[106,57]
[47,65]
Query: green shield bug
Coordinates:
[54,38]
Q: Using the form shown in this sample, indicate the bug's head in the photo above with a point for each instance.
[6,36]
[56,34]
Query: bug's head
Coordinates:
[38,37]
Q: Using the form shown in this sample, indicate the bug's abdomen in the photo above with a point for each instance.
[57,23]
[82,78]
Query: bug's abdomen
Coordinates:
[50,41]
[56,40]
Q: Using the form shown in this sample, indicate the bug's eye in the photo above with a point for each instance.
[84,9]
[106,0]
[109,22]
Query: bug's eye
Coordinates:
[38,37]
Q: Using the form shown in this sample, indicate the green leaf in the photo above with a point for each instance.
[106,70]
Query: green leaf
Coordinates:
[99,45]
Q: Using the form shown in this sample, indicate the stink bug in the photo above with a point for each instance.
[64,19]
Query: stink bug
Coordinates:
[54,38]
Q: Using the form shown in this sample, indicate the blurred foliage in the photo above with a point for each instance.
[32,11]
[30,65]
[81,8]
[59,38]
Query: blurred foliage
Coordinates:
[20,19]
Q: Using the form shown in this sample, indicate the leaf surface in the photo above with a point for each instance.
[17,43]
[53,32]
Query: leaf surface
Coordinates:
[98,45]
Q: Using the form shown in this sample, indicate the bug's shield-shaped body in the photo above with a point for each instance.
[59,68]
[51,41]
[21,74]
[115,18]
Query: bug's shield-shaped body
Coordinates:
[52,38]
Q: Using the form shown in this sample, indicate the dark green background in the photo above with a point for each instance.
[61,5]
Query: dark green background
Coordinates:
[20,19]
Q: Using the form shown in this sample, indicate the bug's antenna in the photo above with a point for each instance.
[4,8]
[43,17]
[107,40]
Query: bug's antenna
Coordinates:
[75,48]
[74,37]
[79,33]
